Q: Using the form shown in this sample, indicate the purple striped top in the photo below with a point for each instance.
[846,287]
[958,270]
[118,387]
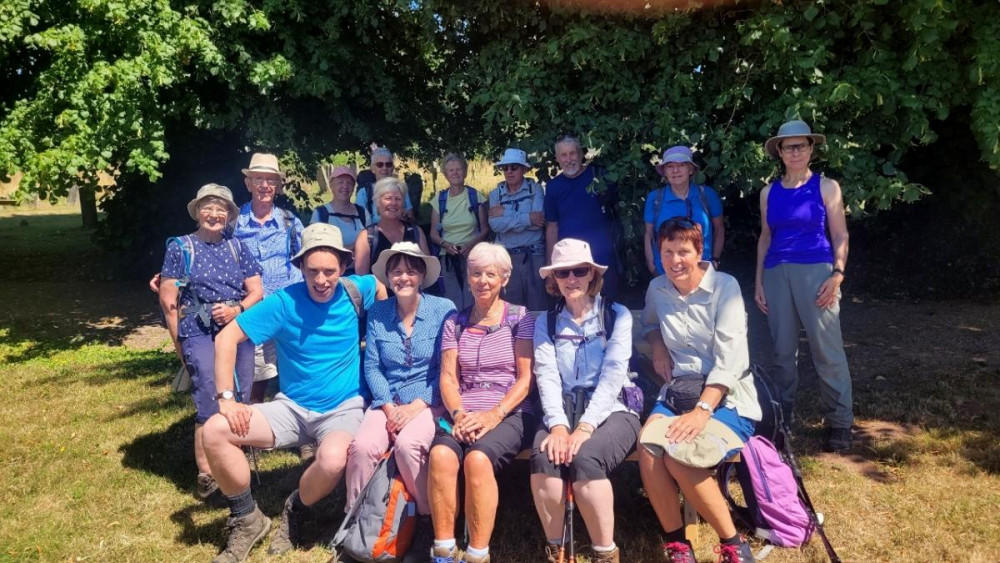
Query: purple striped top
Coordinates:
[486,364]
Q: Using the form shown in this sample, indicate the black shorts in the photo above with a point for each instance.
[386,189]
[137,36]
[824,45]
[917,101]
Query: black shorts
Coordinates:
[611,443]
[501,445]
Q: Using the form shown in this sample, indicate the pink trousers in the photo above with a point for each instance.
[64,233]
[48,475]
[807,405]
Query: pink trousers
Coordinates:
[412,444]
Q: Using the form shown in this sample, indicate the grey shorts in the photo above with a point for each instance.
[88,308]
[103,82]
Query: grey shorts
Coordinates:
[265,361]
[295,426]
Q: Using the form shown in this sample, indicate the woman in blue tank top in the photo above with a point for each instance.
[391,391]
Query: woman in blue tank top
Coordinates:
[801,255]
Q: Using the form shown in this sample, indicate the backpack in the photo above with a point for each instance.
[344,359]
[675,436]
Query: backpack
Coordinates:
[443,208]
[511,320]
[372,233]
[380,525]
[324,214]
[658,202]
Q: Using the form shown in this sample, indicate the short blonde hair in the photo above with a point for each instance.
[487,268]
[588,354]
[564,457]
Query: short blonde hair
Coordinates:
[386,185]
[596,284]
[486,254]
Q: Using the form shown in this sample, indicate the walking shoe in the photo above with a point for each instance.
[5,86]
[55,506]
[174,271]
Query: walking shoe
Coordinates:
[307,452]
[551,553]
[838,440]
[244,533]
[605,556]
[735,553]
[678,552]
[423,541]
[289,529]
[466,558]
[206,486]
[441,555]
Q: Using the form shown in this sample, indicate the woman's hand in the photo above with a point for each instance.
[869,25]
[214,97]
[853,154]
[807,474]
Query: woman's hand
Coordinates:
[450,248]
[556,444]
[688,426]
[402,415]
[496,210]
[222,314]
[758,296]
[829,292]
[475,425]
[663,364]
[576,439]
[238,416]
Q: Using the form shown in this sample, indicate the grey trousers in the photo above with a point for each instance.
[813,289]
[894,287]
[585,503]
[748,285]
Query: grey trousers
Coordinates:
[456,285]
[790,290]
[525,287]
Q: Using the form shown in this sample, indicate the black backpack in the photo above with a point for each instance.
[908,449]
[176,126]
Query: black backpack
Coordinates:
[324,215]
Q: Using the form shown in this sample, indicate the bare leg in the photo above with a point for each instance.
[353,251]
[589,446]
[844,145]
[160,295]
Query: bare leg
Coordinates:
[442,485]
[481,498]
[229,466]
[701,490]
[596,501]
[200,459]
[548,494]
[325,472]
[661,490]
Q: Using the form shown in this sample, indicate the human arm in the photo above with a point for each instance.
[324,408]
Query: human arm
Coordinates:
[647,248]
[550,392]
[237,414]
[763,243]
[481,234]
[362,253]
[170,305]
[836,221]
[436,233]
[663,364]
[690,424]
[224,314]
[479,423]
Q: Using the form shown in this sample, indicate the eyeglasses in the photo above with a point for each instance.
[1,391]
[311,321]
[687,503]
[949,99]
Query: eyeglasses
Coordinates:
[384,165]
[214,211]
[258,182]
[580,272]
[796,148]
[510,167]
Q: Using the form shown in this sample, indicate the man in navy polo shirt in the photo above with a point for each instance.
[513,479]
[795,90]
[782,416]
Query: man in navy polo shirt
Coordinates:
[573,211]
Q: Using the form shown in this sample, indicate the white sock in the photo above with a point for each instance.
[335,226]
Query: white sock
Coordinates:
[604,549]
[448,544]
[480,553]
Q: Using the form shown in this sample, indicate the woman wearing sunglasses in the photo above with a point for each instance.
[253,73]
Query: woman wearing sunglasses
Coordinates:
[517,216]
[402,367]
[801,256]
[581,368]
[695,323]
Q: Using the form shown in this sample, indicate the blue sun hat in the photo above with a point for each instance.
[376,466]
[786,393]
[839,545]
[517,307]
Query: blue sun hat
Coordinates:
[678,153]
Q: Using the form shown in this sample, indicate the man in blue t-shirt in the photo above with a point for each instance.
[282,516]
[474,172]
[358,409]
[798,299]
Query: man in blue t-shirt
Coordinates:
[314,325]
[573,211]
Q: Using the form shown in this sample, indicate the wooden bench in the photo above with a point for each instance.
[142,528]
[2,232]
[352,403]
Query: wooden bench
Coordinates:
[8,202]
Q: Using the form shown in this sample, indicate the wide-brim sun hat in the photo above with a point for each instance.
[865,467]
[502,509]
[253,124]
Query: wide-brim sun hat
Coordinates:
[513,156]
[570,252]
[794,128]
[264,163]
[708,449]
[431,263]
[678,153]
[213,190]
[322,235]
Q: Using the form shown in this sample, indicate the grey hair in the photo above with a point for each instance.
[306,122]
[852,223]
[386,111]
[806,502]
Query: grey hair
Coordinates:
[486,254]
[568,139]
[382,151]
[454,157]
[387,185]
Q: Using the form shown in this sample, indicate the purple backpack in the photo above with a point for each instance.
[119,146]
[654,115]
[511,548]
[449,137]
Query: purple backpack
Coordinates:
[774,510]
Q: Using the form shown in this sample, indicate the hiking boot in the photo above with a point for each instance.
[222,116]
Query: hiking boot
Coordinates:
[678,552]
[551,553]
[423,541]
[289,530]
[735,553]
[466,558]
[441,555]
[838,440]
[206,486]
[244,533]
[307,452]
[605,556]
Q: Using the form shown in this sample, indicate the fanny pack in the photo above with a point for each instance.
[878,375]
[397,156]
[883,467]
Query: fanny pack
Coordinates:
[683,393]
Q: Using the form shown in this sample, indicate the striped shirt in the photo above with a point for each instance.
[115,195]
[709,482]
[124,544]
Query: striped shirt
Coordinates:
[487,367]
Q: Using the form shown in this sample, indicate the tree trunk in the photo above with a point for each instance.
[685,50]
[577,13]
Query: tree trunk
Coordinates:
[88,207]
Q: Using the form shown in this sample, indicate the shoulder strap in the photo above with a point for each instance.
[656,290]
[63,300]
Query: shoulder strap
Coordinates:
[290,232]
[324,214]
[369,200]
[372,231]
[187,254]
[608,317]
[474,204]
[234,252]
[550,319]
[442,209]
[657,203]
[461,321]
[361,214]
[355,294]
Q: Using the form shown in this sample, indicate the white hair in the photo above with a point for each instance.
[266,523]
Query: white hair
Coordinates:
[486,254]
[382,151]
[568,139]
[386,185]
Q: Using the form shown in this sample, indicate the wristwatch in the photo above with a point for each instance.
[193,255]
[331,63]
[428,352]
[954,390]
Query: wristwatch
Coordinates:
[704,406]
[226,395]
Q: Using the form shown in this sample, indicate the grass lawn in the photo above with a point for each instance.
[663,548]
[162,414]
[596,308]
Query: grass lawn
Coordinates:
[97,464]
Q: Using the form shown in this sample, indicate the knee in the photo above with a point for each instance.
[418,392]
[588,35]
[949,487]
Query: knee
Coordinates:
[586,466]
[443,462]
[215,432]
[331,460]
[363,452]
[478,468]
[411,447]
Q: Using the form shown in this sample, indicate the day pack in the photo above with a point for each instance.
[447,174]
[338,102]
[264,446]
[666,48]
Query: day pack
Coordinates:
[380,525]
[774,510]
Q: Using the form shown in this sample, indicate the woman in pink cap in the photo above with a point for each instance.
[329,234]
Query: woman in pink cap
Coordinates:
[349,217]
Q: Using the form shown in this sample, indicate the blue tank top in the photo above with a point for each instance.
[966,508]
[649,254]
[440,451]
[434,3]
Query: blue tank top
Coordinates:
[797,219]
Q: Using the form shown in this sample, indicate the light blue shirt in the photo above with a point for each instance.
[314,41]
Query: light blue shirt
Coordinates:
[318,344]
[514,228]
[271,246]
[585,359]
[362,199]
[400,369]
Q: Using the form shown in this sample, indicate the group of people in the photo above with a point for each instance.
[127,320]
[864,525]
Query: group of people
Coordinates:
[448,382]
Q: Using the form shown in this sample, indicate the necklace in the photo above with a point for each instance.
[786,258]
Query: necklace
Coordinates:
[482,318]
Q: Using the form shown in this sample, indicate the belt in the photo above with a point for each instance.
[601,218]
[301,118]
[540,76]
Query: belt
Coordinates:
[466,385]
[535,249]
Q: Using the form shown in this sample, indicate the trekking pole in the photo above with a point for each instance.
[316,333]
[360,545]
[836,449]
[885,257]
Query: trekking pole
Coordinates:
[253,451]
[797,472]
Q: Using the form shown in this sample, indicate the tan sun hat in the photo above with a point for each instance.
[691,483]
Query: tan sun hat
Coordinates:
[795,128]
[213,190]
[321,235]
[431,263]
[708,449]
[570,252]
[264,162]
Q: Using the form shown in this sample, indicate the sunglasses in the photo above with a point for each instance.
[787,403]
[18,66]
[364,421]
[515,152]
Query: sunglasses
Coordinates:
[384,165]
[682,222]
[580,272]
[796,148]
[510,167]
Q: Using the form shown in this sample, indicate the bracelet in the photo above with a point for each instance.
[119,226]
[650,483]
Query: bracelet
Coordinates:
[838,271]
[585,428]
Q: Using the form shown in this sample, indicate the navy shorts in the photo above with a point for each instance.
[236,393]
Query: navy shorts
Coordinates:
[199,357]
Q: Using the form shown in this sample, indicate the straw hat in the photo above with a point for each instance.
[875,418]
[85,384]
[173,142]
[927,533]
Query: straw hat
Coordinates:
[570,252]
[321,235]
[213,190]
[265,163]
[796,128]
[431,263]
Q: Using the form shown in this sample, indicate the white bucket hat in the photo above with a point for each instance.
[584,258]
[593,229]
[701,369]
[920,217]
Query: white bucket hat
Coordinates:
[796,128]
[264,162]
[213,190]
[431,263]
[513,156]
[570,252]
[322,235]
[679,153]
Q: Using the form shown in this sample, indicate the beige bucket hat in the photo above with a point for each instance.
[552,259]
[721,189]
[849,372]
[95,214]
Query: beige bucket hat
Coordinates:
[321,235]
[570,252]
[708,449]
[795,128]
[264,162]
[213,190]
[431,263]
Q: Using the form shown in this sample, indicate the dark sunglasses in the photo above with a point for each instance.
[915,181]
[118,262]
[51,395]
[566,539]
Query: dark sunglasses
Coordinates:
[682,222]
[384,165]
[510,167]
[580,272]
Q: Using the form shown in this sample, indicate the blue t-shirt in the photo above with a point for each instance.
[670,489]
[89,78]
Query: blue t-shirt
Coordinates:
[672,206]
[580,214]
[216,276]
[317,343]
